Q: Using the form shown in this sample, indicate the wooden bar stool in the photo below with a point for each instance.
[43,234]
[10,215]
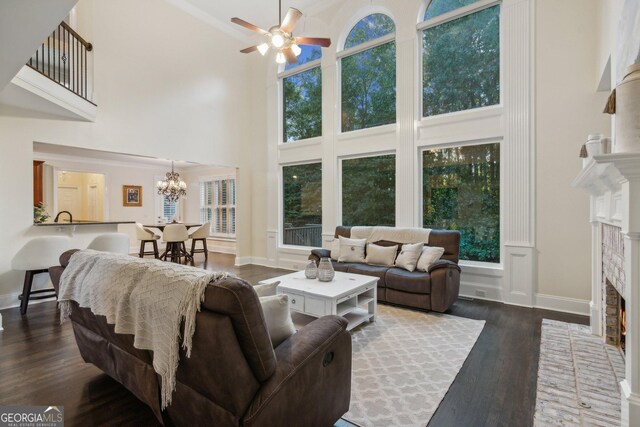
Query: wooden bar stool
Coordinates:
[175,235]
[147,236]
[117,243]
[35,257]
[200,234]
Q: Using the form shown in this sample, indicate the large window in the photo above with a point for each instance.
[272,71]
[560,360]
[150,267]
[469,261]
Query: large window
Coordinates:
[369,191]
[302,98]
[461,191]
[218,205]
[369,76]
[302,205]
[460,58]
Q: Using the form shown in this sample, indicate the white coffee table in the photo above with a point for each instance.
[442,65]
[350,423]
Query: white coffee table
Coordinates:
[352,296]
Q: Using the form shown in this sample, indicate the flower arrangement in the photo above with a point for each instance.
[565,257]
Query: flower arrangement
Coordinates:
[40,213]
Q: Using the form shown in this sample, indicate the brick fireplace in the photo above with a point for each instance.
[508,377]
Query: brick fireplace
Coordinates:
[613,283]
[613,181]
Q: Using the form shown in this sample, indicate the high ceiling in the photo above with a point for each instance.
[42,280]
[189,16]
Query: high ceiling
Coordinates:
[263,13]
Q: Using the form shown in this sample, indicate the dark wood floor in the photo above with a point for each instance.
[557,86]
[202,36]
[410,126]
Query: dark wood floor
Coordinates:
[40,365]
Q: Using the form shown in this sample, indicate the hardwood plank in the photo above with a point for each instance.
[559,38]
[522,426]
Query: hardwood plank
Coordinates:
[40,364]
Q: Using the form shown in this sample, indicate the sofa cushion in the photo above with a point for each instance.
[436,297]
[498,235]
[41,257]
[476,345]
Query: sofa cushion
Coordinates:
[277,317]
[417,282]
[381,255]
[352,250]
[430,254]
[408,256]
[370,270]
[266,290]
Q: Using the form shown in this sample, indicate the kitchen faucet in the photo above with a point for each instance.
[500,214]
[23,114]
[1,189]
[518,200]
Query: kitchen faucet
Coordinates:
[61,212]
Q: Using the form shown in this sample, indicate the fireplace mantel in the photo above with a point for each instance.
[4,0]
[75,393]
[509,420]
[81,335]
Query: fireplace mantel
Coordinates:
[613,181]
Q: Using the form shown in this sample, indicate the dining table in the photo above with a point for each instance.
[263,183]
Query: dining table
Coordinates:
[161,226]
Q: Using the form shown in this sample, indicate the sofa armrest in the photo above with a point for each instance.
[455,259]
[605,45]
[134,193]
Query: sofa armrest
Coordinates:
[312,382]
[316,254]
[442,263]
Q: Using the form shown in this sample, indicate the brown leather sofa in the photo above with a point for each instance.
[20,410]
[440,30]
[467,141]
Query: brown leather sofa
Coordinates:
[234,377]
[436,289]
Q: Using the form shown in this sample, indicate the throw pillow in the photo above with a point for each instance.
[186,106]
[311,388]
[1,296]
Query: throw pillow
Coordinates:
[266,290]
[409,255]
[335,249]
[381,255]
[430,254]
[277,316]
[352,250]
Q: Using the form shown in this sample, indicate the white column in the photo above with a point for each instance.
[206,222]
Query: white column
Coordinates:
[406,87]
[330,190]
[274,134]
[595,306]
[518,152]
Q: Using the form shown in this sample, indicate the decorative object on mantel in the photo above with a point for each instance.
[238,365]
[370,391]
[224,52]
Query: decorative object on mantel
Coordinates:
[40,213]
[626,106]
[596,144]
[325,270]
[280,37]
[131,195]
[172,187]
[311,271]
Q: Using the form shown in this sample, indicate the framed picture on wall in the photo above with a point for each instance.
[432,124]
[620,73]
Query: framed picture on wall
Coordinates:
[131,195]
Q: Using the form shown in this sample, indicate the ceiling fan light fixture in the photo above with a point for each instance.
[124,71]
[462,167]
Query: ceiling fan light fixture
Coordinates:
[296,49]
[263,48]
[280,59]
[277,40]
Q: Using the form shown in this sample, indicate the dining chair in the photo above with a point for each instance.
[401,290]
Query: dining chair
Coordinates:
[200,234]
[147,236]
[175,235]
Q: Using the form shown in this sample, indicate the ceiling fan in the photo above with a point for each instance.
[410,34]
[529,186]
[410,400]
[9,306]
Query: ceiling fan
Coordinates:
[280,37]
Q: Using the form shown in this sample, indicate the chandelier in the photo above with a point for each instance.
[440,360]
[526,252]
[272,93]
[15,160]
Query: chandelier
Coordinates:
[172,187]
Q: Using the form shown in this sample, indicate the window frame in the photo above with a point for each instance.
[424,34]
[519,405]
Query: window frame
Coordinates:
[340,159]
[461,12]
[213,179]
[282,74]
[343,53]
[281,244]
[499,266]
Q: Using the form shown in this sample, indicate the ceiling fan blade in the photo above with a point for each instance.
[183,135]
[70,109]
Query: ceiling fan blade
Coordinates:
[249,26]
[291,57]
[316,41]
[290,20]
[249,49]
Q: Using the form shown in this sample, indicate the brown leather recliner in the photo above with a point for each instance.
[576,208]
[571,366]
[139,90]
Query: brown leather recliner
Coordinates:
[436,289]
[234,377]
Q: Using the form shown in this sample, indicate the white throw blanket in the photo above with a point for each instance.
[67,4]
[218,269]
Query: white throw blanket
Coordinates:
[392,234]
[146,298]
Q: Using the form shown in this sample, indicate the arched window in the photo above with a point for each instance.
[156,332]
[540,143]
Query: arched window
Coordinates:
[368,72]
[302,96]
[460,56]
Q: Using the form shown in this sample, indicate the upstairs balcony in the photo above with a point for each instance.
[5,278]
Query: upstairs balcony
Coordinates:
[56,82]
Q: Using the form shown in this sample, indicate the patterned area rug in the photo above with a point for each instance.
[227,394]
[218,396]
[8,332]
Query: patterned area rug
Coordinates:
[578,377]
[404,364]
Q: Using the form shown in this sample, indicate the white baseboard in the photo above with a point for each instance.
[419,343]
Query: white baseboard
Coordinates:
[567,305]
[248,260]
[480,291]
[221,249]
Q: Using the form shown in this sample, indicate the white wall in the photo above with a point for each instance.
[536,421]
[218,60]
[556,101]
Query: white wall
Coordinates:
[568,108]
[167,85]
